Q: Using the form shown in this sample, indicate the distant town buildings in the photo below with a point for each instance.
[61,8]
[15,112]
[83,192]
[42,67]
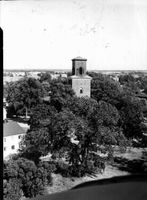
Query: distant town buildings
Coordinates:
[81,83]
[15,76]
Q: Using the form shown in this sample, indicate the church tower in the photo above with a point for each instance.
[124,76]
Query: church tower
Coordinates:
[81,83]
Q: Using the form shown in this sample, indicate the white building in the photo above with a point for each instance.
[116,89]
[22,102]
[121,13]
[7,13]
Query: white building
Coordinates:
[12,135]
[4,113]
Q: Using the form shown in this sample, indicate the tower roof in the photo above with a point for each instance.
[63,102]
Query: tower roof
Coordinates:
[79,58]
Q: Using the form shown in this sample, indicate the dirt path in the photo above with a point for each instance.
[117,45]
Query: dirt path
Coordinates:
[61,183]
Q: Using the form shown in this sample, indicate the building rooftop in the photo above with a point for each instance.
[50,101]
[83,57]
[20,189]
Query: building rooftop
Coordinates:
[12,128]
[79,58]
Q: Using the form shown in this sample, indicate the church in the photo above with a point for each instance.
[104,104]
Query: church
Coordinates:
[81,82]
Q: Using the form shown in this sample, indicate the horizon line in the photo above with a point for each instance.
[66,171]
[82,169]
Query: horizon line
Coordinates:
[45,69]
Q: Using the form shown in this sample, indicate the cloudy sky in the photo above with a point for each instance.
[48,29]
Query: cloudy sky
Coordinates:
[111,34]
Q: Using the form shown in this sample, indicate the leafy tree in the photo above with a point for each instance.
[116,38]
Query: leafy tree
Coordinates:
[39,142]
[24,94]
[106,89]
[40,115]
[12,189]
[46,88]
[97,113]
[125,79]
[22,176]
[5,90]
[83,107]
[90,135]
[37,139]
[95,75]
[132,117]
[107,114]
[76,127]
[79,131]
[45,77]
[142,82]
[11,184]
[60,94]
[35,144]
[72,135]
[130,83]
[124,99]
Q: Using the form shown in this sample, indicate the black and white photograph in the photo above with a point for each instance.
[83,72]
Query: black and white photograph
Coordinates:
[74,99]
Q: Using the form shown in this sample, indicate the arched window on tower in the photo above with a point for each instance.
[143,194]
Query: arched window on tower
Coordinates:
[80,70]
[81,90]
[73,70]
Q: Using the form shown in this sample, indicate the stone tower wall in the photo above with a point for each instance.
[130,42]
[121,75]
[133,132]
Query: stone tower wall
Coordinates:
[78,84]
[76,65]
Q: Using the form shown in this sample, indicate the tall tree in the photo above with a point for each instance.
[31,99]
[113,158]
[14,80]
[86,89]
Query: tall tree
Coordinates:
[132,117]
[79,130]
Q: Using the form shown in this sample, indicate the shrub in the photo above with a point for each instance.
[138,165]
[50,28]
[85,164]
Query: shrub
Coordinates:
[12,189]
[27,177]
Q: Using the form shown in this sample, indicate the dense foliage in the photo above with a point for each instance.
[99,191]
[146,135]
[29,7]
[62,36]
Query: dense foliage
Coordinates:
[61,94]
[121,95]
[22,95]
[77,127]
[45,77]
[23,177]
[78,133]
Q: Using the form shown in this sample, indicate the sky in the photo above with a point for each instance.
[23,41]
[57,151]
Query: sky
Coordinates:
[47,34]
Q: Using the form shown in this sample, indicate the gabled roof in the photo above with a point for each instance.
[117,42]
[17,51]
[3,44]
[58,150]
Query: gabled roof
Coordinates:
[12,128]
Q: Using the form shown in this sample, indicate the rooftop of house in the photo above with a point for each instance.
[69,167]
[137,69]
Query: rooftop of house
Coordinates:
[12,128]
